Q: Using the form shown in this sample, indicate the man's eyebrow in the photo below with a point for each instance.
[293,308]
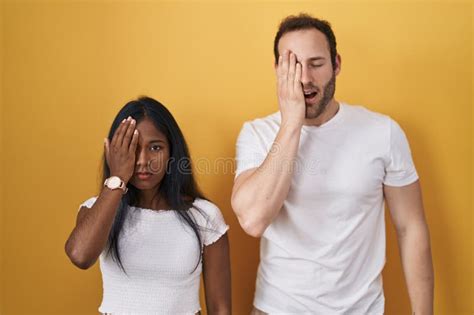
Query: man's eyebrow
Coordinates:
[316,58]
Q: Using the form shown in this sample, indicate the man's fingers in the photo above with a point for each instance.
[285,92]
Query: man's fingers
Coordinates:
[297,79]
[281,77]
[278,70]
[284,66]
[291,69]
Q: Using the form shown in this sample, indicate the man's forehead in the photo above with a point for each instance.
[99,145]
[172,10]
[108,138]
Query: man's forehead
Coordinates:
[307,43]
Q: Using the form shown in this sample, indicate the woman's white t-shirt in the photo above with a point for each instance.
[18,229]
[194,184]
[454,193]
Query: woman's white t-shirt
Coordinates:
[160,254]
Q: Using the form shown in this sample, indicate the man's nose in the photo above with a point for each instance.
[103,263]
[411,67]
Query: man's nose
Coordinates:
[305,75]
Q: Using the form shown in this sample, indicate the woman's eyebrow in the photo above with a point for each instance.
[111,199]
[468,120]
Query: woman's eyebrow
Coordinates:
[156,140]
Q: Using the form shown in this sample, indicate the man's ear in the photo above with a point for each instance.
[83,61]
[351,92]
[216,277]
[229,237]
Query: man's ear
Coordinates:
[337,66]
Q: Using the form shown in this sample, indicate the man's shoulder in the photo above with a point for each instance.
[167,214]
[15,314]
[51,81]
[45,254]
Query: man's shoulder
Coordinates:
[364,115]
[271,118]
[270,121]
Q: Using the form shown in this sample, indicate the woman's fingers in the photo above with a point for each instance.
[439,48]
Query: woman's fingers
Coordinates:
[117,137]
[127,137]
[120,152]
[133,144]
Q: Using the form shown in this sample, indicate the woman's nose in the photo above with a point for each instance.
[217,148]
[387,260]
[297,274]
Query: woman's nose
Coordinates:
[141,157]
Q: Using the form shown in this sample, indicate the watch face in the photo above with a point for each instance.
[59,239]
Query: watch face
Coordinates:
[113,182]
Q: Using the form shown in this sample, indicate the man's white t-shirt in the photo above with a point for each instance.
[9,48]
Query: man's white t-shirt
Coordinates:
[325,250]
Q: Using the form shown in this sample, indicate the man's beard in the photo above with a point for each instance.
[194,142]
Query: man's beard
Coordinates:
[328,94]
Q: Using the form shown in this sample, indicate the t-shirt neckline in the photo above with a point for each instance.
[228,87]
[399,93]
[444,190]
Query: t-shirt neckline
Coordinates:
[331,122]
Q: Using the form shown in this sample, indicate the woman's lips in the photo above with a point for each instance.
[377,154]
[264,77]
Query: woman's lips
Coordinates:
[144,176]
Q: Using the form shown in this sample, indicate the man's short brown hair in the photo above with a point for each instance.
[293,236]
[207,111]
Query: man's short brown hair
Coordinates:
[303,22]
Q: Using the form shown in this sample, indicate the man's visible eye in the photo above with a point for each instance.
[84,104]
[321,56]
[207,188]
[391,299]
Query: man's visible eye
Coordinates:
[316,65]
[155,147]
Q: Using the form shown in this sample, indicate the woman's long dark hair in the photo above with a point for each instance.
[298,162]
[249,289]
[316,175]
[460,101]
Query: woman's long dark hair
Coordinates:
[178,186]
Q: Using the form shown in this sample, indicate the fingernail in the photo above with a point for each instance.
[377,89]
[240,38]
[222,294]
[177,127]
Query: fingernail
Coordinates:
[132,121]
[128,118]
[124,120]
[135,132]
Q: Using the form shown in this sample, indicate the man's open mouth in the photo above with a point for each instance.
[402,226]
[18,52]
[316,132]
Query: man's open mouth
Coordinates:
[310,95]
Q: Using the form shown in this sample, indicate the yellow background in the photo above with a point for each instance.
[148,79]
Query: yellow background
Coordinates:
[68,67]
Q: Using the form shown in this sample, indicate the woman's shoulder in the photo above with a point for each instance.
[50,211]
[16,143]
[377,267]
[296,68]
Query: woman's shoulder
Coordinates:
[206,206]
[210,219]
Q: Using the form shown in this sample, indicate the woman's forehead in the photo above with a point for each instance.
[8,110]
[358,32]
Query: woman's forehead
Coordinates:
[148,131]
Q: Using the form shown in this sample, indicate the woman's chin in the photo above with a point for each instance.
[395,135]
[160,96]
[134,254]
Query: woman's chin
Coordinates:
[140,185]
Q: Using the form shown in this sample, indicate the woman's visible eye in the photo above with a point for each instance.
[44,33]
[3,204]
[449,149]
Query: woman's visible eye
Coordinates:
[155,147]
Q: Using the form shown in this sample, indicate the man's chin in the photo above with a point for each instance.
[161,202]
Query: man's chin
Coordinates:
[312,111]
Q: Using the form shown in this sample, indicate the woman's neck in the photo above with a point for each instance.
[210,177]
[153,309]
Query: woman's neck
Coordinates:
[151,199]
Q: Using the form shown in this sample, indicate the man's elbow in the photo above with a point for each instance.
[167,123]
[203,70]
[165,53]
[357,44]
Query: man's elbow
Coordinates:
[250,217]
[253,228]
[252,225]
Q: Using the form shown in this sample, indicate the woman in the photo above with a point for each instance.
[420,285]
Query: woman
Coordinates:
[150,226]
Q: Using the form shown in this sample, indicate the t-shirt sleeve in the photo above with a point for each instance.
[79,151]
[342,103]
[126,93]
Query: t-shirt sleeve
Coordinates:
[399,167]
[212,222]
[248,152]
[88,203]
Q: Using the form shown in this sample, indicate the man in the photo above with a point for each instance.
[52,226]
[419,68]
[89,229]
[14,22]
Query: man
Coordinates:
[311,181]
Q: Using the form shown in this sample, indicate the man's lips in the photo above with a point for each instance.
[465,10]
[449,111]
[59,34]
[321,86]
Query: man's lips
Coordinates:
[310,94]
[310,97]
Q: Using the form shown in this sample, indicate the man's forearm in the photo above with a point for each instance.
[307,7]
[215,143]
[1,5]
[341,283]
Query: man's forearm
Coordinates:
[415,251]
[259,198]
